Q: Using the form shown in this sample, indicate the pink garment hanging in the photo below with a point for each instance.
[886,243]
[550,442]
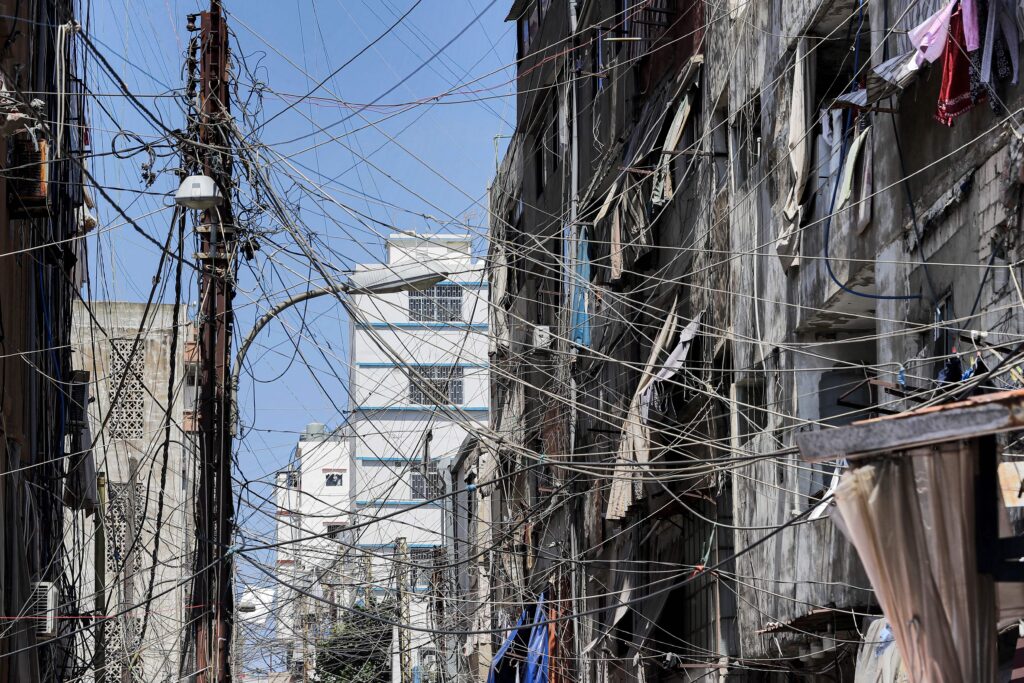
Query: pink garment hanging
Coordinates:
[972,34]
[929,37]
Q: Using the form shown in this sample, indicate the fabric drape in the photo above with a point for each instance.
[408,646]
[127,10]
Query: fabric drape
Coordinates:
[955,96]
[635,442]
[911,519]
[788,244]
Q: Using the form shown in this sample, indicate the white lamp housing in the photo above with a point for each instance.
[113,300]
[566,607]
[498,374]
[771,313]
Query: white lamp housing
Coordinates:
[399,277]
[198,192]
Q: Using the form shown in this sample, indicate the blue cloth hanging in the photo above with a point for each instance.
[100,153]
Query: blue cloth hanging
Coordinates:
[496,662]
[537,650]
[581,291]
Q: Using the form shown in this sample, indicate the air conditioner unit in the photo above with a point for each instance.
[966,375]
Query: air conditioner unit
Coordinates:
[542,337]
[28,178]
[42,608]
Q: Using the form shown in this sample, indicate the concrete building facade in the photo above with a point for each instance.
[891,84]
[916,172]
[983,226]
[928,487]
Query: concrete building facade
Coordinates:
[137,543]
[719,225]
[419,383]
[313,509]
[43,223]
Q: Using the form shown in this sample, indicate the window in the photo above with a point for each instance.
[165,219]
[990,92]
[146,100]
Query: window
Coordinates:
[750,401]
[426,487]
[747,131]
[540,167]
[421,561]
[524,36]
[334,479]
[127,397]
[433,383]
[624,19]
[334,530]
[191,392]
[529,24]
[440,304]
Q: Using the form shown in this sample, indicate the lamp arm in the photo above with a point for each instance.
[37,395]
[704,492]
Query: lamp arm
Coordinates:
[270,315]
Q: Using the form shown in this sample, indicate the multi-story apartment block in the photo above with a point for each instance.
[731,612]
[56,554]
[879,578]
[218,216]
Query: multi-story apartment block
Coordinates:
[131,554]
[44,143]
[314,506]
[718,225]
[419,384]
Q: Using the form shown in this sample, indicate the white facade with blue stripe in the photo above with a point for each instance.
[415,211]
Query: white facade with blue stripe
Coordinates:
[418,382]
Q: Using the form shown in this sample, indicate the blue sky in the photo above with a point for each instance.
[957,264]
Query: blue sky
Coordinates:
[423,167]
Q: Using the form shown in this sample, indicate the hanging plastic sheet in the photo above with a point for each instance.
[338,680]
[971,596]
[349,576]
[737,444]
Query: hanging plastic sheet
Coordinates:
[502,669]
[663,188]
[606,223]
[850,168]
[878,660]
[653,391]
[537,649]
[581,291]
[788,244]
[634,445]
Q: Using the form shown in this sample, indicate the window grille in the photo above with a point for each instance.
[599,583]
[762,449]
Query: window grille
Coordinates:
[334,530]
[334,479]
[432,384]
[438,304]
[426,487]
[126,371]
[124,517]
[122,637]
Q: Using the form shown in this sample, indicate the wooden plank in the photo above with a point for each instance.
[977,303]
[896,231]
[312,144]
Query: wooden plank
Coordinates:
[985,415]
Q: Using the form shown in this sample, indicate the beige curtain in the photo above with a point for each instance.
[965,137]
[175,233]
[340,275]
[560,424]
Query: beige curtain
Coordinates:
[911,519]
[635,442]
[800,151]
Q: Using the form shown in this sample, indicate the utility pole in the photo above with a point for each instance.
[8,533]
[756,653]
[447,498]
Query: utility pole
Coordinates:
[401,572]
[211,608]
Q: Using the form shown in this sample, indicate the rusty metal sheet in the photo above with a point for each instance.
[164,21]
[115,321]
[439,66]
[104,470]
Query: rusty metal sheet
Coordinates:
[986,414]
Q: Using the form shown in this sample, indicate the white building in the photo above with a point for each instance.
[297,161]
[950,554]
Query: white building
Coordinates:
[419,383]
[313,506]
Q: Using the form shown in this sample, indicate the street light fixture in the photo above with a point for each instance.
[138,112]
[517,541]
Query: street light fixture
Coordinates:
[198,192]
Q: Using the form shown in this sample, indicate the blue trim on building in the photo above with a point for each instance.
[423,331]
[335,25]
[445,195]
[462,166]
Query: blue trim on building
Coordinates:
[422,365]
[397,503]
[421,409]
[376,458]
[422,325]
[463,284]
[413,546]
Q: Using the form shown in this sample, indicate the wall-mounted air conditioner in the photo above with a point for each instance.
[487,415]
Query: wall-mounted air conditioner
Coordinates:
[42,608]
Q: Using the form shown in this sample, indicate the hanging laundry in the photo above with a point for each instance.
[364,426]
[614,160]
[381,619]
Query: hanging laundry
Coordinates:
[955,96]
[951,371]
[972,34]
[1002,43]
[929,37]
[849,169]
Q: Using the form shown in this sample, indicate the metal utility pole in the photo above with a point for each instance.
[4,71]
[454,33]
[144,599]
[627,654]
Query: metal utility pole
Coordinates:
[401,572]
[210,610]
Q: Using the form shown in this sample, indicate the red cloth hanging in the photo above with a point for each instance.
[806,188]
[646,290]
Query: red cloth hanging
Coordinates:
[955,96]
